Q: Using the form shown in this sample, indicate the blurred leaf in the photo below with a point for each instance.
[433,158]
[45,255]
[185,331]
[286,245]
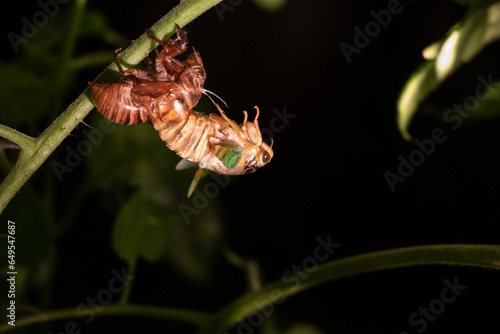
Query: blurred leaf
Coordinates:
[270,5]
[417,88]
[191,249]
[147,229]
[94,24]
[25,90]
[135,156]
[490,107]
[487,108]
[139,230]
[479,28]
[50,38]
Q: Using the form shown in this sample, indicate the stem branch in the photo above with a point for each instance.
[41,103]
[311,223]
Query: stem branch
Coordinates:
[24,141]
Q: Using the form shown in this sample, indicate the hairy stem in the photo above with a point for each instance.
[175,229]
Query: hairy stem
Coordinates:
[36,151]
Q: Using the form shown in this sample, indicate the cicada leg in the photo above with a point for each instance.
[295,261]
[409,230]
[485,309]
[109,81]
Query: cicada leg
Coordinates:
[117,61]
[231,122]
[171,47]
[139,74]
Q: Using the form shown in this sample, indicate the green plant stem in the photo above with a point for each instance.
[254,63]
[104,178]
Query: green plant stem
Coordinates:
[61,78]
[24,141]
[91,59]
[63,72]
[486,256]
[130,272]
[249,266]
[197,318]
[31,159]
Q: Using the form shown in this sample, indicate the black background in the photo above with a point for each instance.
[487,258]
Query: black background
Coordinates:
[327,175]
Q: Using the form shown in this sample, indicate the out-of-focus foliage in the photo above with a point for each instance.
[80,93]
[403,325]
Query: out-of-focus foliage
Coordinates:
[465,40]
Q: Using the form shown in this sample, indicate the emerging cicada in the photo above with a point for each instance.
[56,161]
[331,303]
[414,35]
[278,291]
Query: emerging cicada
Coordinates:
[165,96]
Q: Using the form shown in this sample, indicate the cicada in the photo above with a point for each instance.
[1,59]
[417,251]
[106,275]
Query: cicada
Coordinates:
[164,95]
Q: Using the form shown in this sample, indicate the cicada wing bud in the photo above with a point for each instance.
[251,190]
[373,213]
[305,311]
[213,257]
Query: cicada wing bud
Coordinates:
[253,133]
[185,164]
[200,173]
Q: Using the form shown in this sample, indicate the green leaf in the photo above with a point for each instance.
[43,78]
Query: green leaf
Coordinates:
[490,106]
[25,90]
[139,230]
[191,249]
[51,38]
[94,24]
[480,28]
[144,228]
[416,89]
[135,156]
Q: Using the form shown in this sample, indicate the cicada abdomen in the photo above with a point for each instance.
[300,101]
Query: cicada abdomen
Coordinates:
[115,102]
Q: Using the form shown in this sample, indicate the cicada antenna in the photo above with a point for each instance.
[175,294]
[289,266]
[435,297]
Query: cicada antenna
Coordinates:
[205,91]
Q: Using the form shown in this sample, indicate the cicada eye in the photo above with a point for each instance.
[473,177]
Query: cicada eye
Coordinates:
[199,71]
[266,157]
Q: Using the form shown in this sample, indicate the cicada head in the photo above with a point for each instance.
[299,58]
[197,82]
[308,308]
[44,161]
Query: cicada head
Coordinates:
[193,78]
[255,157]
[237,150]
[254,153]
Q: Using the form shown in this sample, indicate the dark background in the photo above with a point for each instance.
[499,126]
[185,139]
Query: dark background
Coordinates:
[327,175]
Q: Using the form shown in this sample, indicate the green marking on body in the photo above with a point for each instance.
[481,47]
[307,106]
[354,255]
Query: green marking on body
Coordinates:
[229,156]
